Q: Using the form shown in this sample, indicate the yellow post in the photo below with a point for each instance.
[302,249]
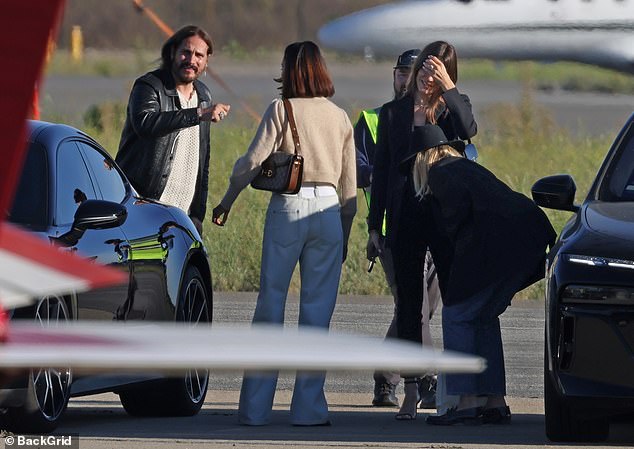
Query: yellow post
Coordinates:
[50,47]
[76,44]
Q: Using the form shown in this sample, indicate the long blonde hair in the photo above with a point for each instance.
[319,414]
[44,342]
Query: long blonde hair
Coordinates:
[424,160]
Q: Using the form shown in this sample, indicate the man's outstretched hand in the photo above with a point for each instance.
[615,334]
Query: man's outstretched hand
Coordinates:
[219,215]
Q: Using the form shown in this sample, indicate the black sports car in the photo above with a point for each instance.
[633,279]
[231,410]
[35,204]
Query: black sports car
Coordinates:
[589,350]
[74,195]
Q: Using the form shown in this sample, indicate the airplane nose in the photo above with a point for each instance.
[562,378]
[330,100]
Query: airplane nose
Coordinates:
[348,33]
[363,31]
[333,35]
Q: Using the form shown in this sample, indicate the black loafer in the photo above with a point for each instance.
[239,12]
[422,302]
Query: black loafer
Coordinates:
[497,415]
[467,417]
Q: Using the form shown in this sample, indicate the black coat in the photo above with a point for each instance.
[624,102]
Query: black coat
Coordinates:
[480,231]
[394,134]
[152,123]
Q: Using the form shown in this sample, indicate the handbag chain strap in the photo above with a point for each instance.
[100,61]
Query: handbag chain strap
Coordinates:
[291,120]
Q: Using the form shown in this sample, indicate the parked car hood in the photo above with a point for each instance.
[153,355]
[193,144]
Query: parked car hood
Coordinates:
[604,230]
[611,219]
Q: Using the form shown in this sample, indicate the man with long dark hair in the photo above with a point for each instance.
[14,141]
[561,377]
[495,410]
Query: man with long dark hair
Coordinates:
[164,148]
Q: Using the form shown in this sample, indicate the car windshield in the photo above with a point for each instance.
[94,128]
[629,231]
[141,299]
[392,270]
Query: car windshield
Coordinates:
[618,183]
[30,204]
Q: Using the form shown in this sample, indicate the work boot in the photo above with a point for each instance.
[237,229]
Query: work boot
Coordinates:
[385,395]
[427,391]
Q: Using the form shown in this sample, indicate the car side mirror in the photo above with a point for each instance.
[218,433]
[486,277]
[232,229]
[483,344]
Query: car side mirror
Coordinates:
[555,192]
[471,152]
[92,214]
[99,214]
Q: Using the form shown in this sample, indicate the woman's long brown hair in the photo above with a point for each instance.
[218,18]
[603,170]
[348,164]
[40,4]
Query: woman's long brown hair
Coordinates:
[447,54]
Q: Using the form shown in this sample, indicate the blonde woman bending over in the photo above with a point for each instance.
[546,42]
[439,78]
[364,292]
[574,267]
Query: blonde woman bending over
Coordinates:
[488,242]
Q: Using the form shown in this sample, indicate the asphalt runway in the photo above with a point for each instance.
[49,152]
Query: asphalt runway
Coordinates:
[101,422]
[358,86]
[522,330]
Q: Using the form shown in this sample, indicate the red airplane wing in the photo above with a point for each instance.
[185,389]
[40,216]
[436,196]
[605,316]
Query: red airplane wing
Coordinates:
[30,267]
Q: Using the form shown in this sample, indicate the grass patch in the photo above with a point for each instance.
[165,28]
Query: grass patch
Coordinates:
[558,75]
[524,145]
[520,145]
[103,63]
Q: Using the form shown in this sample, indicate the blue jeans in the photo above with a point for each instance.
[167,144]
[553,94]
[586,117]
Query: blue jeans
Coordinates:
[304,228]
[473,327]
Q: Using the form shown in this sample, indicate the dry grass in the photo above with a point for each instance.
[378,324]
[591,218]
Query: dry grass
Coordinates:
[521,145]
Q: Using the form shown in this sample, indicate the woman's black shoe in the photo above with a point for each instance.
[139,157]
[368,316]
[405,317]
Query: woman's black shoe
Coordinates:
[497,415]
[427,391]
[468,417]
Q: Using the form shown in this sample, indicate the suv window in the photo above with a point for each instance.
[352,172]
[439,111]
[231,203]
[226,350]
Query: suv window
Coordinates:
[73,183]
[30,204]
[106,176]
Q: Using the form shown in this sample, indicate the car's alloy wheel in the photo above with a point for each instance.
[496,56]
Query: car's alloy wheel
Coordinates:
[48,389]
[195,310]
[179,396]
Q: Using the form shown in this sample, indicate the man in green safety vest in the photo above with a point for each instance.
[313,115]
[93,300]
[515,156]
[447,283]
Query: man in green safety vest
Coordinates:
[365,137]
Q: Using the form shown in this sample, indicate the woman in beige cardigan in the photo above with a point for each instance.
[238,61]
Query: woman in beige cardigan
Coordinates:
[310,227]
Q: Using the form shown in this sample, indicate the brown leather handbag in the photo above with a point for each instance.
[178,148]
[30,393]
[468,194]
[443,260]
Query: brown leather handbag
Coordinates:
[282,172]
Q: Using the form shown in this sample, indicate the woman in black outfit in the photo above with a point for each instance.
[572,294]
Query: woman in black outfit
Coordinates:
[431,98]
[489,242]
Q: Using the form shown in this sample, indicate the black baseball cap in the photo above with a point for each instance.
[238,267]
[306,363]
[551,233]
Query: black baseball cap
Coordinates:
[407,58]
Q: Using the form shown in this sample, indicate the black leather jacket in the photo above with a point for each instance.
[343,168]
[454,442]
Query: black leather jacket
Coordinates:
[152,123]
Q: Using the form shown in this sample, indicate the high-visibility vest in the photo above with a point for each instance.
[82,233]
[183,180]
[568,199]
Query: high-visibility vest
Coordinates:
[371,117]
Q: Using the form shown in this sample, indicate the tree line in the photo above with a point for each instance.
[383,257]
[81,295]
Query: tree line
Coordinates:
[248,24]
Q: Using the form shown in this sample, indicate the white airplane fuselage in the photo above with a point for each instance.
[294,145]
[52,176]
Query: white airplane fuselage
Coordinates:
[599,32]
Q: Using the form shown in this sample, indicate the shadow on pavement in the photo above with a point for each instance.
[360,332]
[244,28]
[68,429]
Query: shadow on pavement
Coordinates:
[350,425]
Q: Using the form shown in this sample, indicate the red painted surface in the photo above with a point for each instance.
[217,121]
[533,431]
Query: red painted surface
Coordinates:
[4,325]
[32,248]
[25,29]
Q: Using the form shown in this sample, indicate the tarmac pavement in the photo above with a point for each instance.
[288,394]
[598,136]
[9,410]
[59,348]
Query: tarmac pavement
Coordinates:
[101,422]
[358,86]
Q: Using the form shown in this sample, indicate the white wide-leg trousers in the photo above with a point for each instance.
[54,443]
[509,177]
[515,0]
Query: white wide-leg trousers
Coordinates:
[304,228]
